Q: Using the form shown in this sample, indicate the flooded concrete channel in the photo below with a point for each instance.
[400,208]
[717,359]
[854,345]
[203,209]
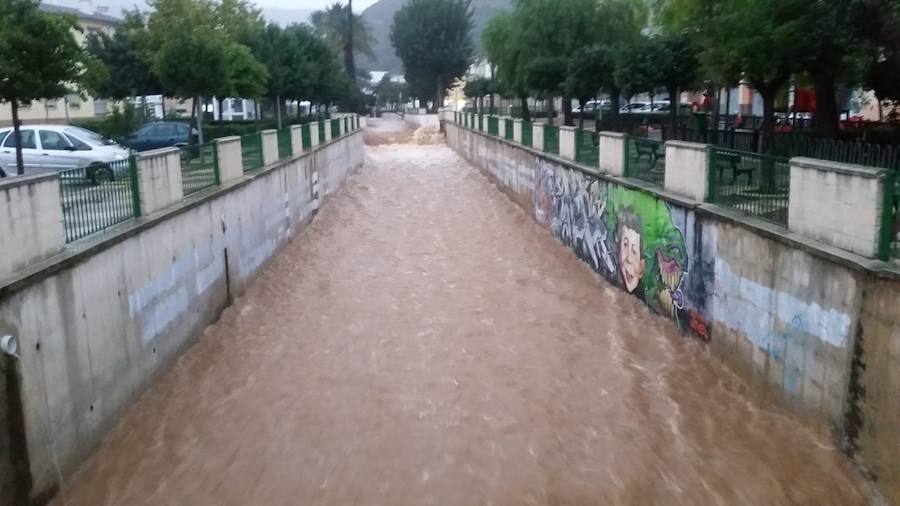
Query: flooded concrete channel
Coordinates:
[424,342]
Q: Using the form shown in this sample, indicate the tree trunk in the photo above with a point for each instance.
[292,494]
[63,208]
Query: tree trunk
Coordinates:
[768,124]
[581,114]
[526,114]
[715,117]
[199,103]
[767,181]
[491,103]
[727,105]
[826,105]
[438,97]
[20,164]
[673,111]
[615,96]
[278,110]
[220,102]
[567,112]
[550,111]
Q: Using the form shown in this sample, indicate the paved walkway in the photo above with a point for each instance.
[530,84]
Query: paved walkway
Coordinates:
[423,342]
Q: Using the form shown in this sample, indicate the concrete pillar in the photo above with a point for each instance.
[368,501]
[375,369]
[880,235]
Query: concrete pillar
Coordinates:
[296,139]
[231,163]
[313,134]
[327,131]
[33,229]
[837,203]
[363,121]
[567,142]
[687,165]
[342,122]
[517,130]
[537,136]
[269,146]
[612,153]
[159,179]
[501,127]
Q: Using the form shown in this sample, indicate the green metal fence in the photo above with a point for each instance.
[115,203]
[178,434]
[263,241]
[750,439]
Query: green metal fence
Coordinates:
[587,147]
[285,150]
[527,134]
[645,160]
[199,167]
[551,139]
[508,133]
[251,152]
[755,184]
[335,128]
[493,126]
[97,197]
[322,131]
[306,136]
[889,243]
[480,123]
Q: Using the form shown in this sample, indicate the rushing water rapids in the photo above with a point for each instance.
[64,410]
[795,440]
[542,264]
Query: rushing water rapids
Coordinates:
[424,342]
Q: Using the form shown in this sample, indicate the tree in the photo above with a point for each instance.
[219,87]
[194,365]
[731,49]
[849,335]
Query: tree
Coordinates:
[39,58]
[765,56]
[334,25]
[478,88]
[129,75]
[503,47]
[196,52]
[675,66]
[551,33]
[433,39]
[830,49]
[390,92]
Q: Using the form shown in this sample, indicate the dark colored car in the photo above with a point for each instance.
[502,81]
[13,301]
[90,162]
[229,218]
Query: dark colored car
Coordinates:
[161,134]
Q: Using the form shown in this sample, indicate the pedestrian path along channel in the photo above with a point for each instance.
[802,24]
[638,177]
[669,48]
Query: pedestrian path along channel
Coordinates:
[424,342]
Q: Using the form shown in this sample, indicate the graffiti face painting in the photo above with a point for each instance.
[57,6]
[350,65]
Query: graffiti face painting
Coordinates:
[631,256]
[626,235]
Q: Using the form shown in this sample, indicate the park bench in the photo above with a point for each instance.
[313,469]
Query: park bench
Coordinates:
[729,160]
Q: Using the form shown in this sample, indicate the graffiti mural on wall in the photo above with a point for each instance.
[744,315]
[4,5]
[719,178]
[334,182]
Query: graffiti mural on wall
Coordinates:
[628,236]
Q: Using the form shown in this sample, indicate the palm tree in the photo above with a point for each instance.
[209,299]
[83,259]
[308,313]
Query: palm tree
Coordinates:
[348,38]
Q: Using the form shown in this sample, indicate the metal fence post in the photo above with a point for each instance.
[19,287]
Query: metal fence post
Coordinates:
[712,175]
[215,159]
[887,216]
[626,156]
[135,186]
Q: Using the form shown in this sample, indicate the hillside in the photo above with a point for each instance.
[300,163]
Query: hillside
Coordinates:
[380,15]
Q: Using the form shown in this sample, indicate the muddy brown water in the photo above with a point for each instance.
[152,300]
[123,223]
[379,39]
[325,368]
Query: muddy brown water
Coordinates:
[424,342]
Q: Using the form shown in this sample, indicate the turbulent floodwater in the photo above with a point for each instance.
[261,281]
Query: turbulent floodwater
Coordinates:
[424,342]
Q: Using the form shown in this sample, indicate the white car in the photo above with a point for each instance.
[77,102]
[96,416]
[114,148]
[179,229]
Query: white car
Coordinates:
[59,147]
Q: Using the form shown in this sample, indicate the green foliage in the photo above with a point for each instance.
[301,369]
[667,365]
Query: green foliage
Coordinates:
[198,48]
[388,92]
[40,58]
[121,121]
[433,39]
[332,24]
[129,74]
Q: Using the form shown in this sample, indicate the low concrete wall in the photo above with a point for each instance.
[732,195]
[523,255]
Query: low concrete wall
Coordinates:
[809,326]
[32,223]
[99,321]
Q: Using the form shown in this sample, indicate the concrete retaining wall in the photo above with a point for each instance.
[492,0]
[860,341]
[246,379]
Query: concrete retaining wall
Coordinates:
[98,323]
[32,223]
[784,311]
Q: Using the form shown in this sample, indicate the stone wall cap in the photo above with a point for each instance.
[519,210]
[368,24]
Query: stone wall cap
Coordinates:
[153,153]
[13,180]
[565,127]
[517,120]
[230,138]
[296,126]
[616,135]
[269,131]
[839,167]
[697,146]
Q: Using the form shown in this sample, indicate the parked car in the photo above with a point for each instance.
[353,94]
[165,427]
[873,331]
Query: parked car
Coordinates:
[159,134]
[60,147]
[633,107]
